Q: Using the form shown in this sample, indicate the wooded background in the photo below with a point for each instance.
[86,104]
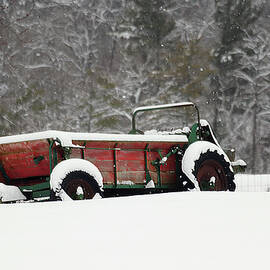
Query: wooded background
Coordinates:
[84,65]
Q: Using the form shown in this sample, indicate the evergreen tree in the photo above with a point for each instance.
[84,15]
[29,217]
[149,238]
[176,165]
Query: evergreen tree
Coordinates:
[253,78]
[143,28]
[236,20]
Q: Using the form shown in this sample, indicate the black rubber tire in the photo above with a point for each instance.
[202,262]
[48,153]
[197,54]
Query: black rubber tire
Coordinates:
[212,164]
[80,178]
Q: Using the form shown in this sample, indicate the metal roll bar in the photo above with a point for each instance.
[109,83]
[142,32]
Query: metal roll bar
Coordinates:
[162,107]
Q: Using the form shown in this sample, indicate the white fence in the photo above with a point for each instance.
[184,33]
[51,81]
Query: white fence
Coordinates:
[252,182]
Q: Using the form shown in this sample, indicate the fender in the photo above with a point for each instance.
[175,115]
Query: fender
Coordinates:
[61,170]
[193,153]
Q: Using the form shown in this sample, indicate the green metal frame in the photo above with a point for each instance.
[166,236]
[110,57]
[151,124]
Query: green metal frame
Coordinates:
[195,134]
[42,189]
[157,163]
[147,173]
[137,186]
[4,174]
[115,165]
[51,143]
[37,190]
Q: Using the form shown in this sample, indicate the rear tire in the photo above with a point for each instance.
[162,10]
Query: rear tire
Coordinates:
[213,172]
[79,185]
[75,179]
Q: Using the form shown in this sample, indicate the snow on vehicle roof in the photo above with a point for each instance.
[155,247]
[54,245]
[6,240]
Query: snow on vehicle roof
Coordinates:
[165,106]
[66,138]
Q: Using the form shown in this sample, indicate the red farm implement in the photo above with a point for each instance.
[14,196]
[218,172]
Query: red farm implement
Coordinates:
[64,165]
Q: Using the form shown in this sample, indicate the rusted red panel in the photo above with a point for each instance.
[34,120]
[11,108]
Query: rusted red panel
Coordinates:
[130,160]
[168,177]
[108,177]
[128,170]
[132,145]
[95,144]
[131,177]
[100,157]
[129,165]
[18,159]
[124,155]
[2,179]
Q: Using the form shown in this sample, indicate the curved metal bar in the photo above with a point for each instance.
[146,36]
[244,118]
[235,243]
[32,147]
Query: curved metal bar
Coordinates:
[162,107]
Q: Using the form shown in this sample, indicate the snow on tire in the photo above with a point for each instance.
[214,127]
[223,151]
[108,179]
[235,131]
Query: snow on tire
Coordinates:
[208,167]
[76,179]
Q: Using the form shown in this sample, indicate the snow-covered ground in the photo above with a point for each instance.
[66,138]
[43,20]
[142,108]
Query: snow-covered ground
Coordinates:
[193,230]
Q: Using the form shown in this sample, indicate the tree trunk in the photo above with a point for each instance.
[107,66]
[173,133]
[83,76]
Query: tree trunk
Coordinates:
[254,135]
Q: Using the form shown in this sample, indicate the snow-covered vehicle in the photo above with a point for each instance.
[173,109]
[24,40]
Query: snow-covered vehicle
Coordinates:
[67,165]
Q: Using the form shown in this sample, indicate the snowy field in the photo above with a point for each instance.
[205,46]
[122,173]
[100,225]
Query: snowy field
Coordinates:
[167,231]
